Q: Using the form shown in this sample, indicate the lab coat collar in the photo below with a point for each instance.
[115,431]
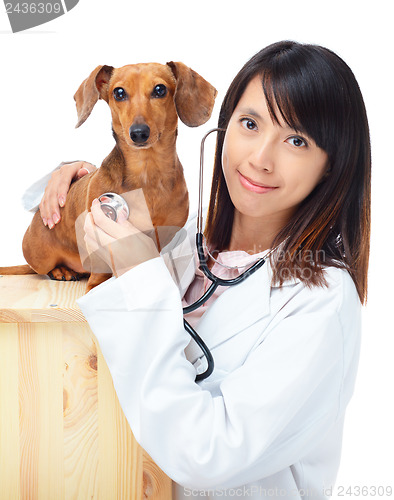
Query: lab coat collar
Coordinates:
[238,307]
[180,258]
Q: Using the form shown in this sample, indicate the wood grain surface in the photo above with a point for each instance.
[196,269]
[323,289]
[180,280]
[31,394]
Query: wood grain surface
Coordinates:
[63,434]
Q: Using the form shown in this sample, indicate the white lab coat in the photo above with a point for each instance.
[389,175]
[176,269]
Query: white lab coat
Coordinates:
[268,422]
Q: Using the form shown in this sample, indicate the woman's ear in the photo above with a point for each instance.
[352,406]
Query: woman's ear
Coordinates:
[194,97]
[326,173]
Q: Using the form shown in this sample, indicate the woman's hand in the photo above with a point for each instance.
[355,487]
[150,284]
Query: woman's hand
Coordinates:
[56,191]
[119,244]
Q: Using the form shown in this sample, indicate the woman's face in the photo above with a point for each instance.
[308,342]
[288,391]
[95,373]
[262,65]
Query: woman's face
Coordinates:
[269,168]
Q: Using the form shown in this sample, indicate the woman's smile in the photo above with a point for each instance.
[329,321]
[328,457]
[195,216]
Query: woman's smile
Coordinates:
[255,187]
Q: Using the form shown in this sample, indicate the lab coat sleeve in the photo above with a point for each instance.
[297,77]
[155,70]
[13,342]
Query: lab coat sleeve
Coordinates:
[271,411]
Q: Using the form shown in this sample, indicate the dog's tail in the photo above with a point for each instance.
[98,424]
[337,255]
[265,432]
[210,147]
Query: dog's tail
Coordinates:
[25,269]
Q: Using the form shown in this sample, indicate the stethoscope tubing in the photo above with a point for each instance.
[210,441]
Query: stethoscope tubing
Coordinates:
[203,266]
[216,281]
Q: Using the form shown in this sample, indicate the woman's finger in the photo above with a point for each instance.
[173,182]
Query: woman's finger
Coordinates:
[122,216]
[49,206]
[67,173]
[120,245]
[56,192]
[85,169]
[115,229]
[57,189]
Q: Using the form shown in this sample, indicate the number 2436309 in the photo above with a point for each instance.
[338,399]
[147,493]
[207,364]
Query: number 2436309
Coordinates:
[364,491]
[33,8]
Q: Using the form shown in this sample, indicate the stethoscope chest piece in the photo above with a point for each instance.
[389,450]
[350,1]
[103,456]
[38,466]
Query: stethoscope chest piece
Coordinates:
[112,204]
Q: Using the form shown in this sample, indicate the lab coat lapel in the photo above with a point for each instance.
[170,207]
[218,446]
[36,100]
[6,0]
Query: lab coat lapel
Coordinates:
[237,308]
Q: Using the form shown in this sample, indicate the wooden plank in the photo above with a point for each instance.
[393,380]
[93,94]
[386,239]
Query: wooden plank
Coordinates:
[120,455]
[29,421]
[155,483]
[41,411]
[108,480]
[40,299]
[49,343]
[63,434]
[9,413]
[80,396]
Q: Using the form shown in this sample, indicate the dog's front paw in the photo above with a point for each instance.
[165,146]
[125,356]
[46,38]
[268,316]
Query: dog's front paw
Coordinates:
[62,273]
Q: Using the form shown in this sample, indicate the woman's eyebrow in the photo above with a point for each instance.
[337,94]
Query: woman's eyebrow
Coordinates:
[251,112]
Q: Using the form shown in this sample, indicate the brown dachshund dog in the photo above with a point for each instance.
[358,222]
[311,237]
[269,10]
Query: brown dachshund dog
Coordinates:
[145,102]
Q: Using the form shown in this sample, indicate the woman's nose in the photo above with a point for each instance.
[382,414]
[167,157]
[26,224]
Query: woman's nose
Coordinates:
[263,156]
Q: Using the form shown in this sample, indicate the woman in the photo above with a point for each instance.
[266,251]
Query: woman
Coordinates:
[291,182]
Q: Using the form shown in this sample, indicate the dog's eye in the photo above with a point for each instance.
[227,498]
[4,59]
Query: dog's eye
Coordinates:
[159,91]
[120,94]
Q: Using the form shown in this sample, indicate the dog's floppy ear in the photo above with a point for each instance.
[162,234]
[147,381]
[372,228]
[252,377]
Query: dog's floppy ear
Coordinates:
[92,89]
[194,96]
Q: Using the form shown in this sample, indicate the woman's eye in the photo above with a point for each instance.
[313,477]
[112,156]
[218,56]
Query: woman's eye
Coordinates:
[120,94]
[159,91]
[297,142]
[248,124]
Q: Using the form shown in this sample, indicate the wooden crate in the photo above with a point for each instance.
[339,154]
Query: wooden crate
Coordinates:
[63,434]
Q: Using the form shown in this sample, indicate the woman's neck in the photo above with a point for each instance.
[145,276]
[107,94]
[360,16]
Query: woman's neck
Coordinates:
[254,235]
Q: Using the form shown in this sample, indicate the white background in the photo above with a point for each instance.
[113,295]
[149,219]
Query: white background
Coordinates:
[41,69]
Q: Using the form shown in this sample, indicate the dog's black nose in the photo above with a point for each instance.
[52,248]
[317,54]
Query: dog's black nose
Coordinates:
[139,133]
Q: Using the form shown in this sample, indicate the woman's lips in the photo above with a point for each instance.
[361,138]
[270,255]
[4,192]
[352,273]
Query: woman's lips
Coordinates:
[252,186]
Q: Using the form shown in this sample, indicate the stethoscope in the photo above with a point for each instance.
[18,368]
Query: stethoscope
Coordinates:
[203,266]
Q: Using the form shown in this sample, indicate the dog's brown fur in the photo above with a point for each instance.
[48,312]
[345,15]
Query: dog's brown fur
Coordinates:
[153,166]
